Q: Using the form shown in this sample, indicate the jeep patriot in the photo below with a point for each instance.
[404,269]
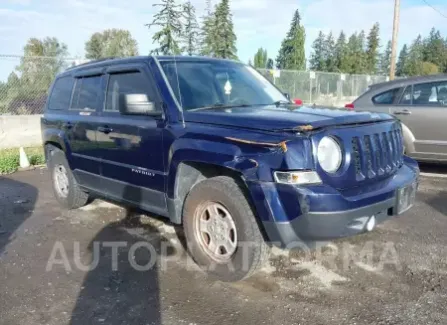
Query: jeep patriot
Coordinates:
[214,146]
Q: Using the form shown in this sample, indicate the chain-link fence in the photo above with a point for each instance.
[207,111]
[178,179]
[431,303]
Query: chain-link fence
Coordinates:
[321,88]
[24,83]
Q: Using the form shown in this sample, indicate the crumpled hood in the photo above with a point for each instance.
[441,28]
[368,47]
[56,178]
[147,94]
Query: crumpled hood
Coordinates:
[272,118]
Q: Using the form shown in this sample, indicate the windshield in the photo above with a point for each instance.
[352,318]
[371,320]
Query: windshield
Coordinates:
[219,83]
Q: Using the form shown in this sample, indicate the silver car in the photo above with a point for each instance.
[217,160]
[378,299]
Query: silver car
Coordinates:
[421,105]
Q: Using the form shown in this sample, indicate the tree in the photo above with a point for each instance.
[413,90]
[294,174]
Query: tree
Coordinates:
[270,64]
[360,63]
[435,49]
[168,19]
[402,61]
[341,53]
[385,60]
[317,58]
[111,43]
[261,59]
[27,87]
[429,68]
[329,53]
[42,60]
[225,38]
[292,54]
[372,49]
[191,29]
[413,66]
[207,41]
[352,50]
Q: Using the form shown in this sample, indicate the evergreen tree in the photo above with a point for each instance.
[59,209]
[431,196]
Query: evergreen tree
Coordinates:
[207,44]
[261,58]
[168,19]
[329,54]
[372,50]
[435,49]
[415,60]
[225,38]
[360,62]
[317,59]
[270,64]
[191,29]
[385,60]
[402,61]
[341,53]
[292,54]
[351,50]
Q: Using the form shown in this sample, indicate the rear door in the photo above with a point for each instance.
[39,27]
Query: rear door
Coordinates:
[131,146]
[82,125]
[423,109]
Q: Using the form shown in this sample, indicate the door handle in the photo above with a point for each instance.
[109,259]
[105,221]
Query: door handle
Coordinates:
[403,112]
[104,129]
[67,125]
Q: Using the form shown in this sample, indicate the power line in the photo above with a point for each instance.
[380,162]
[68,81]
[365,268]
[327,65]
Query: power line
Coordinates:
[435,9]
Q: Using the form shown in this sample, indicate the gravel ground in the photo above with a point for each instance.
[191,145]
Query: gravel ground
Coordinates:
[394,275]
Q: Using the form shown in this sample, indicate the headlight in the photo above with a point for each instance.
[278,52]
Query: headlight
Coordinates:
[297,178]
[329,154]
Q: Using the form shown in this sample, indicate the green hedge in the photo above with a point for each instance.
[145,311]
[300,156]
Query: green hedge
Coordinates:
[10,158]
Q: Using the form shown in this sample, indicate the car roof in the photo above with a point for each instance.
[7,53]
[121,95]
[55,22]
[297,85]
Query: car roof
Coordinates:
[112,60]
[409,81]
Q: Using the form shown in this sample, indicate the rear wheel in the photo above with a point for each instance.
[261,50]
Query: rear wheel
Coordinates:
[66,188]
[221,230]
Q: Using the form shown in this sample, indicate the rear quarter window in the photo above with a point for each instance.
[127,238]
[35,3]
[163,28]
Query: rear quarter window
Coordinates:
[386,98]
[60,96]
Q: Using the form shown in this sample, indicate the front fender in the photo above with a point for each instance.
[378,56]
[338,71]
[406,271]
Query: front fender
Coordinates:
[409,139]
[56,137]
[254,158]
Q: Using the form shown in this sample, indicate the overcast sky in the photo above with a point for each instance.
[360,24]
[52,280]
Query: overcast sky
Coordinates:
[257,22]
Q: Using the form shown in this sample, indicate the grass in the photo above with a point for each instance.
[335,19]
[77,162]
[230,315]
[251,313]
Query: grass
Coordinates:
[10,158]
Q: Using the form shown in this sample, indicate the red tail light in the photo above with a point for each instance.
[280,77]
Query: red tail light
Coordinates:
[349,106]
[298,101]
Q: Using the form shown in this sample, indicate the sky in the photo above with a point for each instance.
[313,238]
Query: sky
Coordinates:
[258,23]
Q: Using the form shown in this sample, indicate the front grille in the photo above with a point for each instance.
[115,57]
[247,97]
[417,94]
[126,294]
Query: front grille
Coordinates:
[377,154]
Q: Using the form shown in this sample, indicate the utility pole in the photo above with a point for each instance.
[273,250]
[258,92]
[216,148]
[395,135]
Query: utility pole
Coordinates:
[395,36]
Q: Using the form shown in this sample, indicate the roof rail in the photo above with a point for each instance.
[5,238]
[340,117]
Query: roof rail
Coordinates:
[93,61]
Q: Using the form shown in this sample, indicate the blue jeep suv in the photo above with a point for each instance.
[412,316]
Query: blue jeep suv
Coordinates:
[214,146]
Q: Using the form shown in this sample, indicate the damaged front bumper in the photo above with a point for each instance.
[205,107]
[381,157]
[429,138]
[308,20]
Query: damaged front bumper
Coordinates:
[292,214]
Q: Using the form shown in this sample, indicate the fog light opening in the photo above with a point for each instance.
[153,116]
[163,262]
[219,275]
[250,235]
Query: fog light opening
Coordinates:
[371,224]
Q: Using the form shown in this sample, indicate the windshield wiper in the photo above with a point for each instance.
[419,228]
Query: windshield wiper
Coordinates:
[220,106]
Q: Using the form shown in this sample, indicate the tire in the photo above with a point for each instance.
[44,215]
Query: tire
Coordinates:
[74,197]
[230,198]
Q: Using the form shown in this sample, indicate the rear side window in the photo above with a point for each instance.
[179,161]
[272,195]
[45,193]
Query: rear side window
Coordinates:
[87,93]
[61,94]
[430,94]
[127,84]
[386,98]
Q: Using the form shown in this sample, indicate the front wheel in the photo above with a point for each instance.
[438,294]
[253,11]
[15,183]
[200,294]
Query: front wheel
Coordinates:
[221,230]
[66,188]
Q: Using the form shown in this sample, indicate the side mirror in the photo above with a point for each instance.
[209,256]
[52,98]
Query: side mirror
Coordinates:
[287,95]
[137,104]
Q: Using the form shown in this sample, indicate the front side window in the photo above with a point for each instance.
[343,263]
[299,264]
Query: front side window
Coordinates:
[407,96]
[87,93]
[386,98]
[129,83]
[61,94]
[219,83]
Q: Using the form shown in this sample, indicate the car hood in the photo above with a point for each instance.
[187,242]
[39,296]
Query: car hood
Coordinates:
[272,118]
